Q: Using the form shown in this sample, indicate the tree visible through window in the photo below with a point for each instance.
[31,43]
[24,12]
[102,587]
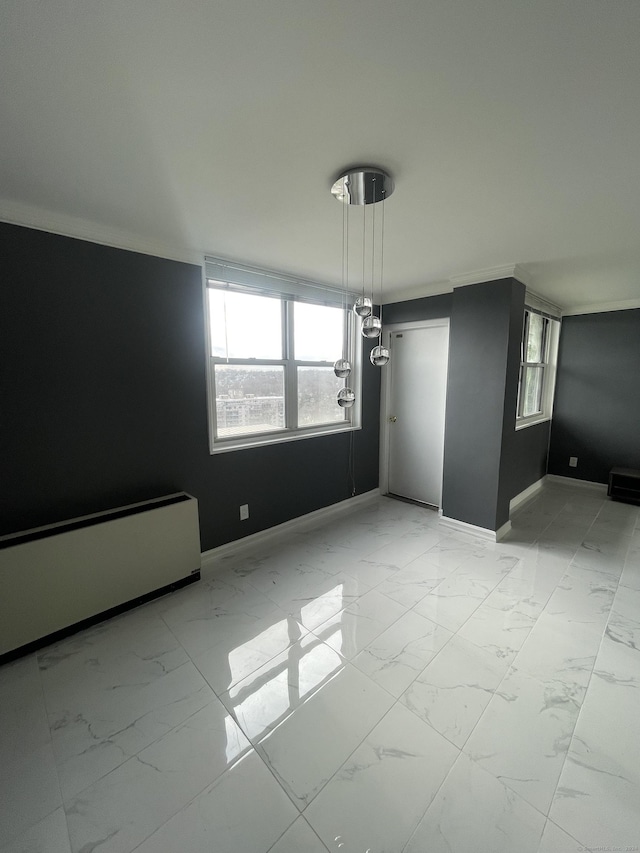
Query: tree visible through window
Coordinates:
[535,348]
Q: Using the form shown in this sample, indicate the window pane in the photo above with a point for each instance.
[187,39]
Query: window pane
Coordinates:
[532,390]
[318,332]
[535,338]
[244,326]
[317,396]
[249,399]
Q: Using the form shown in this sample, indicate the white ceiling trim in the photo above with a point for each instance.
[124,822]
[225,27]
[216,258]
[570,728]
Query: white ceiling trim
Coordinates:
[516,271]
[481,276]
[14,213]
[419,292]
[476,277]
[601,307]
[77,228]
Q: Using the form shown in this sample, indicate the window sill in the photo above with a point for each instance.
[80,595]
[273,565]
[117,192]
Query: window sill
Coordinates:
[532,421]
[279,438]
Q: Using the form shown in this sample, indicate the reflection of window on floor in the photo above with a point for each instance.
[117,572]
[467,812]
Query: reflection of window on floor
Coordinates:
[236,744]
[266,697]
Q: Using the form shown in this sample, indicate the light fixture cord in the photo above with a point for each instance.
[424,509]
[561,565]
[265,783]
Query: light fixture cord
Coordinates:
[384,192]
[344,289]
[373,244]
[347,315]
[345,270]
[351,479]
[364,244]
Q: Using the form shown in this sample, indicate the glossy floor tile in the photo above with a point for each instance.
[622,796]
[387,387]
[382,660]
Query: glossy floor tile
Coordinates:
[380,793]
[475,811]
[379,683]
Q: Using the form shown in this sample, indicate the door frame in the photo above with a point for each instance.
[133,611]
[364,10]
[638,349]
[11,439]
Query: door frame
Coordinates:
[385,389]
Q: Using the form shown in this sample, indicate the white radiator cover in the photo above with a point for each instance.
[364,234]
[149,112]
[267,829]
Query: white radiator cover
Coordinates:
[53,577]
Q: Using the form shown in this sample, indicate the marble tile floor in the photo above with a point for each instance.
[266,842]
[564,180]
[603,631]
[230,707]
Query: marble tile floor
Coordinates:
[377,684]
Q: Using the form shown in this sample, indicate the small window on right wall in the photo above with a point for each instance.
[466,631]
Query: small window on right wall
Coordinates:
[537,368]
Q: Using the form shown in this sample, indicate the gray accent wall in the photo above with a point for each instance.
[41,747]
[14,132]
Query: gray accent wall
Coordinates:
[426,308]
[486,321]
[525,458]
[103,389]
[596,414]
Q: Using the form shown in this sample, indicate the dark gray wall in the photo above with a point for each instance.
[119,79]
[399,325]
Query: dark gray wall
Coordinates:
[596,415]
[520,458]
[480,400]
[526,458]
[103,389]
[426,308]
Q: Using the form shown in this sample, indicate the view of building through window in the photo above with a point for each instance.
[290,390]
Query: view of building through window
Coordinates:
[249,399]
[273,363]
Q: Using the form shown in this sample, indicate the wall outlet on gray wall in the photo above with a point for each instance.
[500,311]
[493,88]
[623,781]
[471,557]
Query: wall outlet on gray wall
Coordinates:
[573,462]
[244,512]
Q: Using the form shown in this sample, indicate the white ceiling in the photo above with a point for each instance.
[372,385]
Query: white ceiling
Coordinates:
[511,127]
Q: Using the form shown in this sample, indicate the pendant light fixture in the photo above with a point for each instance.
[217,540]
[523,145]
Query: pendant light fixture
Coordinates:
[342,367]
[346,398]
[363,186]
[379,355]
[362,306]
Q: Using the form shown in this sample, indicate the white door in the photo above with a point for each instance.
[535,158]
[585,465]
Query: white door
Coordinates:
[416,397]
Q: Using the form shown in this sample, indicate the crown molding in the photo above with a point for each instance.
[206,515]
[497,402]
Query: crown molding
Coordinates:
[601,307]
[423,291]
[28,216]
[524,276]
[478,277]
[481,276]
[494,274]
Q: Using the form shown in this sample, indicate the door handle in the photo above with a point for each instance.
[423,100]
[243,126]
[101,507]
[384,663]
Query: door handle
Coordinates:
[393,419]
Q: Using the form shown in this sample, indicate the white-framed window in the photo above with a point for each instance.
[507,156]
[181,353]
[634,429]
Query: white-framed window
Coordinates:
[537,368]
[271,351]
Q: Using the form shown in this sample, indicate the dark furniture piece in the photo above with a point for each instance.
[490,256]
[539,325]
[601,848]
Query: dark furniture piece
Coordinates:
[624,485]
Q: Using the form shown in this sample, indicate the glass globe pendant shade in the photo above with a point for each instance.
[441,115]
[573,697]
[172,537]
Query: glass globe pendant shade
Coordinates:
[379,356]
[371,327]
[362,306]
[342,368]
[346,398]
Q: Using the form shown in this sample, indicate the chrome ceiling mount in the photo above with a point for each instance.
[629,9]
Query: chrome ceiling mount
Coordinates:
[363,185]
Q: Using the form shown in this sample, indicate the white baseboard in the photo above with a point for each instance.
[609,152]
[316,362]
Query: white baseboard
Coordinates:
[526,494]
[501,532]
[303,522]
[570,481]
[482,532]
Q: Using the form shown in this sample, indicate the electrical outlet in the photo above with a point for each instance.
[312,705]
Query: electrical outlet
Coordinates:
[573,462]
[244,512]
